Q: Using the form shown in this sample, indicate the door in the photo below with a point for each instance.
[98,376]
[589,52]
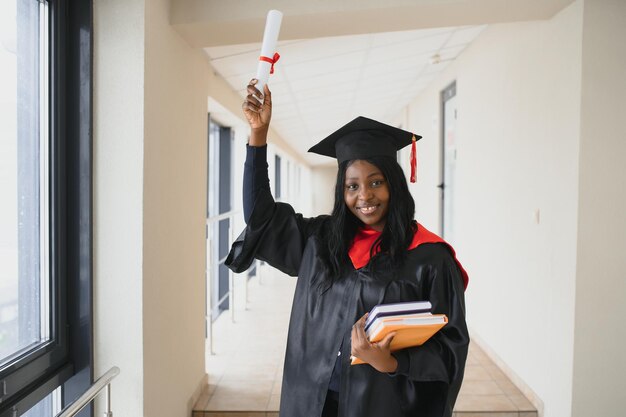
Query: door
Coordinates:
[449,155]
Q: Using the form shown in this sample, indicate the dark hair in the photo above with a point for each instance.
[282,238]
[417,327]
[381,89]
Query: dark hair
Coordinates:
[399,225]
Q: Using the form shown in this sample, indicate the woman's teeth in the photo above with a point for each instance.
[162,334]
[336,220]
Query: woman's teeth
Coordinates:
[368,210]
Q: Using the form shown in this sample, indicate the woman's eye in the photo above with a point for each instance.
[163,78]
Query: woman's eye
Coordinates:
[351,187]
[377,183]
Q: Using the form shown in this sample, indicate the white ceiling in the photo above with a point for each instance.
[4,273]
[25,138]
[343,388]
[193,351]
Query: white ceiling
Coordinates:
[321,84]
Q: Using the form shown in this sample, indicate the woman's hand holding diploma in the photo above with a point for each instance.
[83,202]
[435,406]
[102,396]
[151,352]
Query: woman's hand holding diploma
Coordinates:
[376,354]
[258,113]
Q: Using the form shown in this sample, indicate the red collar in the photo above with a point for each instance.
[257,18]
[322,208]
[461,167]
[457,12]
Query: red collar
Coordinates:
[359,252]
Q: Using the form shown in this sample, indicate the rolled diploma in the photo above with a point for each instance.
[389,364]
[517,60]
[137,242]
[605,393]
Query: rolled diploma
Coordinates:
[270,39]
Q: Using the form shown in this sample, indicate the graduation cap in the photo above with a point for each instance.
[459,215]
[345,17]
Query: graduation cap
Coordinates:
[363,138]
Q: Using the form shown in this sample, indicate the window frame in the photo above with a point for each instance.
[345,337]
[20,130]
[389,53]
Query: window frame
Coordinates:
[67,358]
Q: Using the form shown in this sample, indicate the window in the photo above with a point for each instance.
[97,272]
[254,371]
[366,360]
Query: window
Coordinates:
[24,153]
[51,405]
[219,206]
[45,209]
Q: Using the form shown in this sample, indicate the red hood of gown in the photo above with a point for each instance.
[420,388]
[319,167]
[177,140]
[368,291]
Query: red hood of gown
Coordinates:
[359,252]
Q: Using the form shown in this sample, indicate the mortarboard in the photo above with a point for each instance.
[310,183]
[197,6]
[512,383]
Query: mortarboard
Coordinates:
[363,138]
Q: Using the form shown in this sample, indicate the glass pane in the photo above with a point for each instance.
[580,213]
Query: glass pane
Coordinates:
[213,171]
[48,407]
[24,292]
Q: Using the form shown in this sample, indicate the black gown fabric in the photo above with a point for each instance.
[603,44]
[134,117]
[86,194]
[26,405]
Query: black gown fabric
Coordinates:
[322,316]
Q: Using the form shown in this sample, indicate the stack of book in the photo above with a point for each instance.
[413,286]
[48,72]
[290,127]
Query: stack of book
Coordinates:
[412,322]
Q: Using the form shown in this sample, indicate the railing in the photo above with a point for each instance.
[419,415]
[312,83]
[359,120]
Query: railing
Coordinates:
[211,267]
[104,382]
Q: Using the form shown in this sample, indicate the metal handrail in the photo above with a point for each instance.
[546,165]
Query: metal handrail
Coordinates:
[103,382]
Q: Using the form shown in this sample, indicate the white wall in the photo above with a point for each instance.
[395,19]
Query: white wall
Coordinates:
[149,208]
[518,92]
[118,198]
[600,333]
[175,153]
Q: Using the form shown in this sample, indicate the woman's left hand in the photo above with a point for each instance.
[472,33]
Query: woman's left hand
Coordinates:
[376,354]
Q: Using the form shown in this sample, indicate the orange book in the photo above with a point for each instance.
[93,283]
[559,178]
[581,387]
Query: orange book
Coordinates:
[409,332]
[376,325]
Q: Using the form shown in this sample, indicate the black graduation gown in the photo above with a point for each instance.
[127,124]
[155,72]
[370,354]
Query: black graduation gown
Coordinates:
[322,319]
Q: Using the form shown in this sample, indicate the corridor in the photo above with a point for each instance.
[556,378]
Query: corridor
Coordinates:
[245,372]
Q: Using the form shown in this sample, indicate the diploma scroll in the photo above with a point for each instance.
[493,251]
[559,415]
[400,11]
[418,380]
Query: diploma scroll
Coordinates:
[268,49]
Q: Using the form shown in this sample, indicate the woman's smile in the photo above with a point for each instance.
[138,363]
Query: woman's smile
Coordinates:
[368,209]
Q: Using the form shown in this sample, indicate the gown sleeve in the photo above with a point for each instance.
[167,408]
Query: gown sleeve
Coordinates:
[255,177]
[442,358]
[275,233]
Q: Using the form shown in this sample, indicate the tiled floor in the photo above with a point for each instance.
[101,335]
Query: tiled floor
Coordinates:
[246,370]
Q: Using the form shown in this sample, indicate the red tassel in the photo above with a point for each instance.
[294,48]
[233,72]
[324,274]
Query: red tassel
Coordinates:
[413,160]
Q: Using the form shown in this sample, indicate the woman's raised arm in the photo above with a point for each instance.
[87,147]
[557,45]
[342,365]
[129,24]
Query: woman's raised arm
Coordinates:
[255,175]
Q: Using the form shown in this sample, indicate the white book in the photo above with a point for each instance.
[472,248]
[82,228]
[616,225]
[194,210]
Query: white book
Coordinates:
[385,310]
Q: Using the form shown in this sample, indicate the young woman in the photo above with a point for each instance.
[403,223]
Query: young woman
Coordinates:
[369,251]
